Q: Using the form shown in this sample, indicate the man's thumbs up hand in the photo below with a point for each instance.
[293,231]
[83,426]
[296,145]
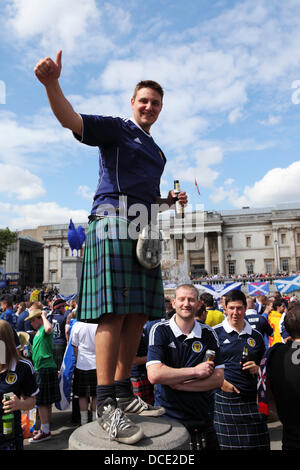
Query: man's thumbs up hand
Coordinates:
[47,70]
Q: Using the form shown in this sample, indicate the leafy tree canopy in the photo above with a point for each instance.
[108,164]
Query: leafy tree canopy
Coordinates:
[6,238]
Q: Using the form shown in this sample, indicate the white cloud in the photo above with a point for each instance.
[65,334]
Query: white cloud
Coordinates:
[271,121]
[85,192]
[235,115]
[18,182]
[200,169]
[279,185]
[42,213]
[85,30]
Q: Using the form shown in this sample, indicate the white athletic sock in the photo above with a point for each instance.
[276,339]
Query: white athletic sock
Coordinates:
[94,416]
[45,428]
[84,417]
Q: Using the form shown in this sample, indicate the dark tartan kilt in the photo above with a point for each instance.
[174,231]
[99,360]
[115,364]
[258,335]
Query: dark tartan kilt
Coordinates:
[238,423]
[85,383]
[47,381]
[58,351]
[112,280]
[143,388]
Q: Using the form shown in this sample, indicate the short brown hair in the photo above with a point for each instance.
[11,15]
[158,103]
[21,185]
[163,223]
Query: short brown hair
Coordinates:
[292,320]
[149,84]
[187,286]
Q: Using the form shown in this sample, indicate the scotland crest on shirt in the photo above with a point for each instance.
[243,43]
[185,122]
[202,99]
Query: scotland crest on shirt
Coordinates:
[197,346]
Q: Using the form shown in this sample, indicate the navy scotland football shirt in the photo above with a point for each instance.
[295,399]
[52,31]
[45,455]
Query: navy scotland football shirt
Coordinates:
[169,346]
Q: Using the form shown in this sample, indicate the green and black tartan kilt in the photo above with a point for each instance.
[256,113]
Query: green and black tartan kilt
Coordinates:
[112,280]
[85,383]
[58,351]
[47,381]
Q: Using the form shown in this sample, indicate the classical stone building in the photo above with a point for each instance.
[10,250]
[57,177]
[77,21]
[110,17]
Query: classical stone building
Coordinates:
[244,241]
[25,257]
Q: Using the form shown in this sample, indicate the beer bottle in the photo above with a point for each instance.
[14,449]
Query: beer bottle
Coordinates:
[245,357]
[8,423]
[179,209]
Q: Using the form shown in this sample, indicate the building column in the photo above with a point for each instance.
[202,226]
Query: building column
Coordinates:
[206,254]
[293,266]
[46,264]
[59,262]
[221,254]
[276,250]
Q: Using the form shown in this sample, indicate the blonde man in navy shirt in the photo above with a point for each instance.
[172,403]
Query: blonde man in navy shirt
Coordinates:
[237,421]
[116,291]
[177,364]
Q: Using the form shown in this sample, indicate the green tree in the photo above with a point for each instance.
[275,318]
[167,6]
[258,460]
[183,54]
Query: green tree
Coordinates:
[6,238]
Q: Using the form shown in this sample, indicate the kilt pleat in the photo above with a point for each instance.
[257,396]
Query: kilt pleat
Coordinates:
[47,381]
[238,424]
[112,280]
[85,383]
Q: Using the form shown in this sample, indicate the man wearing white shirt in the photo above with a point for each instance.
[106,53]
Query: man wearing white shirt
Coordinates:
[85,376]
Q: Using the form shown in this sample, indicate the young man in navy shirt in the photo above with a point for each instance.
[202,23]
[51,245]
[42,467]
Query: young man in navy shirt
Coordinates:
[176,364]
[117,292]
[237,421]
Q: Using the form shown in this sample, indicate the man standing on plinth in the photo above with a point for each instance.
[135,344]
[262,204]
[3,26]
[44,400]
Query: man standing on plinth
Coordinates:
[116,291]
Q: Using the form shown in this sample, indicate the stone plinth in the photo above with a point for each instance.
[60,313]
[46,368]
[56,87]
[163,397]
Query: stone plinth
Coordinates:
[160,434]
[71,274]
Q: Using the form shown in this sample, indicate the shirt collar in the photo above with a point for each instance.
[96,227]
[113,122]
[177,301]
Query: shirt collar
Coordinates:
[13,366]
[228,328]
[195,333]
[137,125]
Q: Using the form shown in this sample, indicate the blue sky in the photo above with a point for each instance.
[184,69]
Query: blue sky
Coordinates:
[231,74]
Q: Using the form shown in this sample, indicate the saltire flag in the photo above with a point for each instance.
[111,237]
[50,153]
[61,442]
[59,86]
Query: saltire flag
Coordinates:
[288,284]
[196,184]
[258,288]
[217,290]
[66,374]
[67,298]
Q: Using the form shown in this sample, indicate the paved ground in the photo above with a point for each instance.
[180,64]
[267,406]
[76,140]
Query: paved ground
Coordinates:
[62,427]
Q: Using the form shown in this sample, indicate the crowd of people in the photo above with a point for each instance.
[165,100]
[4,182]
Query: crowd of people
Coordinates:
[254,277]
[198,364]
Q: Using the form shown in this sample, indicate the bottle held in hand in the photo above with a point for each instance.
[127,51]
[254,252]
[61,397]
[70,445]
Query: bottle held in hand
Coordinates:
[179,209]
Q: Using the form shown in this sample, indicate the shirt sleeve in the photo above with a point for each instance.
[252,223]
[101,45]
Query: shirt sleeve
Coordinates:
[29,387]
[74,337]
[156,346]
[99,131]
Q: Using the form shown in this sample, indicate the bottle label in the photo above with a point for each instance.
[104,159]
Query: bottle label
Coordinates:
[7,428]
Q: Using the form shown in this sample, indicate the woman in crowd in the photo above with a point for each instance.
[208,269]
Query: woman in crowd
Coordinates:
[17,382]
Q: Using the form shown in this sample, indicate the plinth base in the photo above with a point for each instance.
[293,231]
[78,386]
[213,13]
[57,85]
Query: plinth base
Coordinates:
[160,434]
